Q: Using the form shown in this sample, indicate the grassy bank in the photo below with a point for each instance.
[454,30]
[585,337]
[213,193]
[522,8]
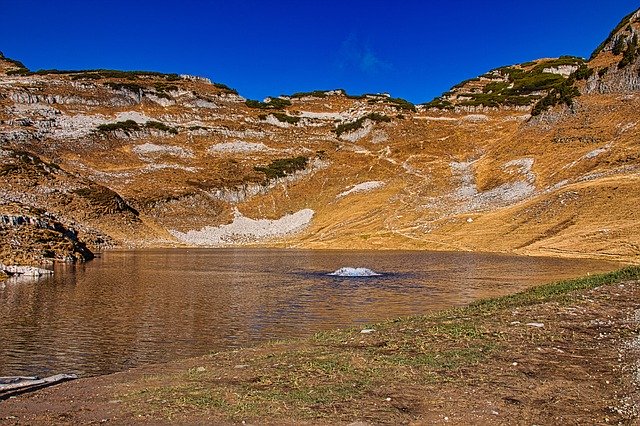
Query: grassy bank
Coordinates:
[386,374]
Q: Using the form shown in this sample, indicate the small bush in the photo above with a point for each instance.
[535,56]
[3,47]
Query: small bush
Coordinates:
[630,53]
[126,126]
[554,63]
[129,87]
[583,72]
[164,87]
[225,88]
[355,125]
[161,126]
[131,126]
[102,73]
[603,72]
[563,94]
[401,104]
[439,103]
[618,46]
[315,94]
[283,167]
[273,103]
[284,118]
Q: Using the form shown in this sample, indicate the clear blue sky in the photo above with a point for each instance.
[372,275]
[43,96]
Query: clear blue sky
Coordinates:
[412,49]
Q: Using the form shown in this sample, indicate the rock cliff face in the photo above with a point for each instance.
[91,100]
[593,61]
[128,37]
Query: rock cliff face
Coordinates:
[616,60]
[141,159]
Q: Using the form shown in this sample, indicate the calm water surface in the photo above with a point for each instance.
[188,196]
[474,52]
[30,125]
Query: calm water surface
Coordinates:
[129,308]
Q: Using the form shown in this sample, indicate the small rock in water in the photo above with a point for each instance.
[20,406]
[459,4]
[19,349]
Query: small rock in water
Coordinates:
[367,330]
[535,324]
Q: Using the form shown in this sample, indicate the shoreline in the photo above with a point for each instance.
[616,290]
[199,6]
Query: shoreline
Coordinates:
[46,264]
[402,371]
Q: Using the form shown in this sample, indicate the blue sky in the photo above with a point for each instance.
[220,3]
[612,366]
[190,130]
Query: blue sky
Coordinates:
[410,49]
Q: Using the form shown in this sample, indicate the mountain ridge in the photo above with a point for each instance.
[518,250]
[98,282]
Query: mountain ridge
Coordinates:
[537,158]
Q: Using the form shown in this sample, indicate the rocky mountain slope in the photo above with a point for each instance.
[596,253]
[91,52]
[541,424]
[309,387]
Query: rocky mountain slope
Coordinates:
[538,158]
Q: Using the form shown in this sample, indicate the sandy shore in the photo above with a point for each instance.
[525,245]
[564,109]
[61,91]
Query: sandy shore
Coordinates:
[564,353]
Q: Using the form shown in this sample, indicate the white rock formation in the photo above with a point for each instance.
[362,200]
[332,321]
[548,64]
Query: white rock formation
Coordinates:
[246,230]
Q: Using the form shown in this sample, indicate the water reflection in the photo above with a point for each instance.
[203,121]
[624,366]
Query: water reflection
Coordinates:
[130,308]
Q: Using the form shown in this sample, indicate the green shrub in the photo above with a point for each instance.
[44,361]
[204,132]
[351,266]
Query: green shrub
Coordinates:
[518,86]
[283,167]
[315,94]
[164,87]
[126,126]
[130,87]
[131,126]
[618,46]
[439,103]
[401,104]
[496,87]
[554,63]
[536,82]
[102,73]
[355,125]
[18,72]
[273,103]
[563,94]
[225,88]
[284,118]
[602,72]
[161,126]
[583,72]
[630,53]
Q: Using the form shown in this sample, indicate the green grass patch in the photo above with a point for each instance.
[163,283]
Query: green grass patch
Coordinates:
[552,292]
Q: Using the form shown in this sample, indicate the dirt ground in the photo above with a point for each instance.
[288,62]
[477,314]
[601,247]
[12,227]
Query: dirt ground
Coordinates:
[560,354]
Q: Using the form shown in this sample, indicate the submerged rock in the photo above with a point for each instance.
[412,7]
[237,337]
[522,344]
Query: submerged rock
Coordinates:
[28,271]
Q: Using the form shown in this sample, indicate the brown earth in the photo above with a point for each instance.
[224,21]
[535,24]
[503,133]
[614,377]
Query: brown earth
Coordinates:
[560,354]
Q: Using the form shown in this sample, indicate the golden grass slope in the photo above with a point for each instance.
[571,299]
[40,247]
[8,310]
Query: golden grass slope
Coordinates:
[186,154]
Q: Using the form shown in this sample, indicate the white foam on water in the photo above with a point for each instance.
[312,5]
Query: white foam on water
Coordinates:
[354,272]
